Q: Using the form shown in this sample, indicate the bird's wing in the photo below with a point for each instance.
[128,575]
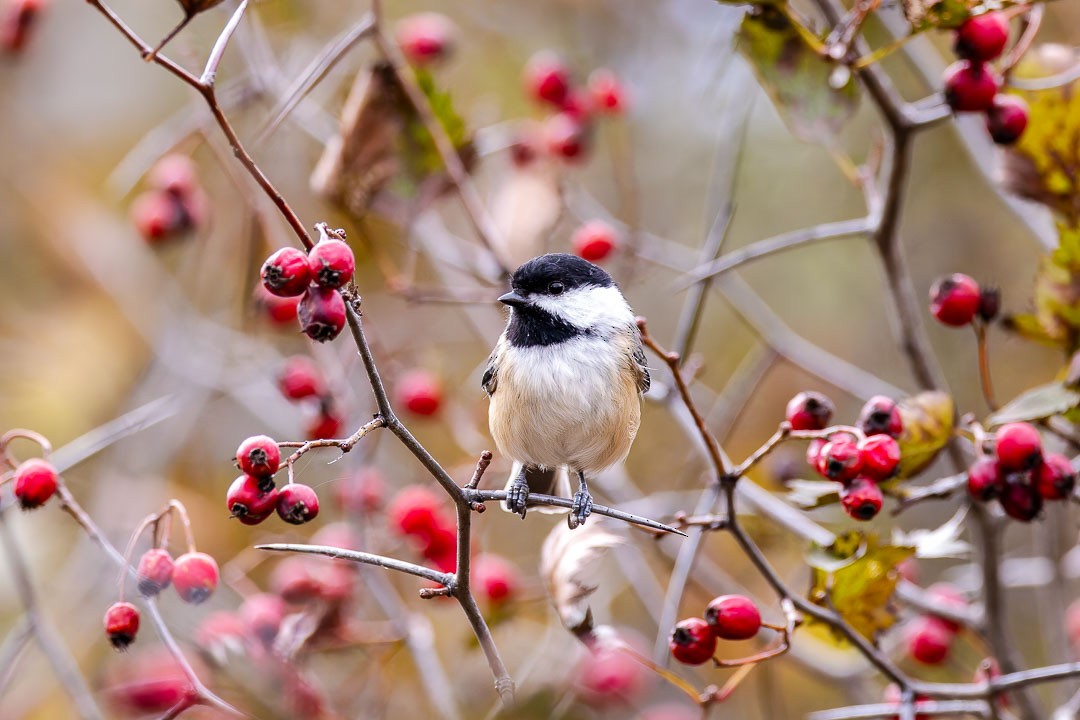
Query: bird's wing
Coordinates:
[641,365]
[490,381]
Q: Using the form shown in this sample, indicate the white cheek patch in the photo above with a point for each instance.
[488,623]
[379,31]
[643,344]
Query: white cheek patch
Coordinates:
[588,307]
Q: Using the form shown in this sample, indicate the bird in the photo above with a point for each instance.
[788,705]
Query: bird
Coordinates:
[565,379]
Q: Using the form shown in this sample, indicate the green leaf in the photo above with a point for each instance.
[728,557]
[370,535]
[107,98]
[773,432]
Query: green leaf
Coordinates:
[928,425]
[860,591]
[795,76]
[1038,403]
[418,147]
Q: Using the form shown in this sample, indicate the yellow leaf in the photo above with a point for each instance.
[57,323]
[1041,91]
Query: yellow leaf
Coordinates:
[928,425]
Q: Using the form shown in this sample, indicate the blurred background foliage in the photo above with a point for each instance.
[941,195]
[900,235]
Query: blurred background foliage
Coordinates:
[97,322]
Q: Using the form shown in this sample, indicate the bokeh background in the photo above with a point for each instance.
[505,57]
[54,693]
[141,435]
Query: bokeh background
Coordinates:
[98,323]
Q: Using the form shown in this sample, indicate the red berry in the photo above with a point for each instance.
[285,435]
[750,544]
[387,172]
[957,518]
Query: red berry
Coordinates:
[733,617]
[362,493]
[121,624]
[321,313]
[324,426]
[176,174]
[608,95]
[880,456]
[297,504]
[840,459]
[425,38]
[496,578]
[955,299]
[300,379]
[251,499]
[17,20]
[259,456]
[567,137]
[970,87]
[982,38]
[1018,447]
[609,677]
[594,240]
[440,543]
[1007,119]
[158,216]
[35,482]
[985,480]
[813,452]
[155,571]
[287,272]
[809,411]
[1055,478]
[929,640]
[280,310]
[195,576]
[861,499]
[417,510]
[692,641]
[577,105]
[524,150]
[332,263]
[881,416]
[292,578]
[420,392]
[1019,499]
[948,596]
[547,78]
[261,615]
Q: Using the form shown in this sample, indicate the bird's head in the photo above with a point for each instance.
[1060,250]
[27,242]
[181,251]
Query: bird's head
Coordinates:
[570,290]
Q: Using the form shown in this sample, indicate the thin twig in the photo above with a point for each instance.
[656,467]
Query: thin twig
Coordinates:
[218,51]
[382,561]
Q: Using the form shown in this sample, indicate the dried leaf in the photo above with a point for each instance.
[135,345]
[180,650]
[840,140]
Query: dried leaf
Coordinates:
[845,550]
[810,494]
[941,542]
[861,590]
[928,425]
[569,561]
[1037,403]
[795,76]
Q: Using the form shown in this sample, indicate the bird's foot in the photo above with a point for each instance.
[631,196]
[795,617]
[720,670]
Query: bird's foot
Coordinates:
[517,496]
[581,508]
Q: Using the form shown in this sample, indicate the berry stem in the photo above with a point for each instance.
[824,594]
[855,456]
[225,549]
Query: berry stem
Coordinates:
[1031,21]
[985,381]
[129,550]
[5,440]
[182,512]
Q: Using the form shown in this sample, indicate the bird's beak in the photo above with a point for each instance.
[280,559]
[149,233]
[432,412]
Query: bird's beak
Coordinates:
[512,299]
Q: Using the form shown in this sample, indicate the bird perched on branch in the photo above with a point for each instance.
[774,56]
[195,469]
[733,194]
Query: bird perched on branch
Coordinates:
[565,379]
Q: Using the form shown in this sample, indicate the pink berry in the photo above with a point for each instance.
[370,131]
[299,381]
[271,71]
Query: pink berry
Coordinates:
[261,615]
[324,426]
[929,640]
[880,456]
[287,272]
[420,392]
[861,499]
[733,617]
[547,78]
[608,677]
[985,480]
[300,379]
[158,216]
[566,137]
[416,510]
[1018,447]
[594,240]
[881,416]
[155,571]
[1055,478]
[955,299]
[332,263]
[279,310]
[608,94]
[970,87]
[578,105]
[258,456]
[1007,119]
[1072,623]
[982,38]
[195,577]
[321,313]
[121,624]
[813,452]
[297,504]
[948,596]
[840,459]
[1019,499]
[35,482]
[809,411]
[426,38]
[176,174]
[692,641]
[251,500]
[495,577]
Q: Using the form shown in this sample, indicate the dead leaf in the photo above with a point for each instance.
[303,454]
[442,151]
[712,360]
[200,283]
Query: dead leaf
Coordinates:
[928,426]
[569,561]
[941,542]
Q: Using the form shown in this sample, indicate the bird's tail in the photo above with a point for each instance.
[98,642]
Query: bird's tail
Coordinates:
[551,481]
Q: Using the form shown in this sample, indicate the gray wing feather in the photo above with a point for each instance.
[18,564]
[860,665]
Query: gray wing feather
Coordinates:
[490,381]
[644,379]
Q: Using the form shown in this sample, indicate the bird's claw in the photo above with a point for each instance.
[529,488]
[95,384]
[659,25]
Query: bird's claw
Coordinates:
[581,509]
[517,497]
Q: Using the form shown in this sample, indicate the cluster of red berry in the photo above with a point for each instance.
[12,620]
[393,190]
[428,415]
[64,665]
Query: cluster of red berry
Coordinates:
[956,300]
[1018,474]
[727,617]
[930,637]
[253,496]
[174,204]
[315,278]
[971,85]
[860,457]
[17,20]
[301,381]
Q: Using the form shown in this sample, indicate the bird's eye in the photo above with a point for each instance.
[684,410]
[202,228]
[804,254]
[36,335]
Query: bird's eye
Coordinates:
[556,288]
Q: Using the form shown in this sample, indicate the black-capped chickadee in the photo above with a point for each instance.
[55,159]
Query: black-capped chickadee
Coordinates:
[566,377]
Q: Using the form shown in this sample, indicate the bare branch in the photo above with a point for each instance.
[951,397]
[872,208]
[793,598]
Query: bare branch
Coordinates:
[362,557]
[210,72]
